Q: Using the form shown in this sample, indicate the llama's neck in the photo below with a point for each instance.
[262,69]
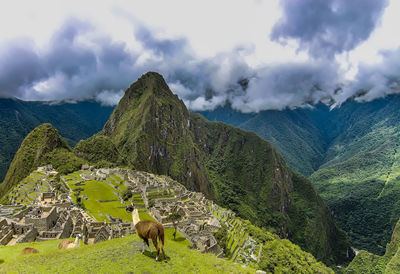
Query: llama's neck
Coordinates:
[77,242]
[135,216]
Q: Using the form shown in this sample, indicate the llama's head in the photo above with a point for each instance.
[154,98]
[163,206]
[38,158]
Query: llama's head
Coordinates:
[130,208]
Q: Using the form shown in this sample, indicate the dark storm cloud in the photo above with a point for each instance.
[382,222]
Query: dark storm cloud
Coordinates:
[327,27]
[68,67]
[19,66]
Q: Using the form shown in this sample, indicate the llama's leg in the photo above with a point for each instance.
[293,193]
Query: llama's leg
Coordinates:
[148,244]
[143,243]
[154,239]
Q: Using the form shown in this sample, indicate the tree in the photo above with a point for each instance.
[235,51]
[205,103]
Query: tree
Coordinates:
[174,218]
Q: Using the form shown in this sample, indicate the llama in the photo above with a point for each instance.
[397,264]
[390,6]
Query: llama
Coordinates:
[29,250]
[66,244]
[148,229]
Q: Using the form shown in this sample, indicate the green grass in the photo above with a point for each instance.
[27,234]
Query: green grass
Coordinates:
[145,216]
[99,190]
[118,255]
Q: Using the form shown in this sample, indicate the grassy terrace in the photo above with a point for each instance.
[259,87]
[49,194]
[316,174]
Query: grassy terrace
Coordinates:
[117,255]
[237,235]
[116,182]
[98,191]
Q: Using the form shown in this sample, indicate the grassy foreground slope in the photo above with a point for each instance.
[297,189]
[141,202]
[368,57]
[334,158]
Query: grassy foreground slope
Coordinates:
[114,256]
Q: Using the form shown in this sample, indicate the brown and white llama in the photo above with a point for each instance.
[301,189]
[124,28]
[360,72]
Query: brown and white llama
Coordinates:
[66,244]
[29,250]
[148,230]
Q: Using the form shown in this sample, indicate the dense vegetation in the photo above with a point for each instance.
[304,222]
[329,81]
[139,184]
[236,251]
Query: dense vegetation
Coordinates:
[41,141]
[153,131]
[99,150]
[366,262]
[75,121]
[351,154]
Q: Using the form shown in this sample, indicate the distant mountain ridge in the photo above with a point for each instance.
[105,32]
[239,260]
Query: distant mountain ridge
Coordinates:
[350,153]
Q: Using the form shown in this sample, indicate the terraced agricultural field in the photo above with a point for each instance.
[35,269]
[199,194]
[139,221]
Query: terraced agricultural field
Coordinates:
[237,235]
[30,188]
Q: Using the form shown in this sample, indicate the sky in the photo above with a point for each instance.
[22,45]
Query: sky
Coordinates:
[251,54]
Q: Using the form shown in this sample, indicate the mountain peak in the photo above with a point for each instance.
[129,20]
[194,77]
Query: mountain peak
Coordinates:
[150,82]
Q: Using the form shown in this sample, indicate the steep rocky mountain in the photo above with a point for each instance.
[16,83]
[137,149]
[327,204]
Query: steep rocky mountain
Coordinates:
[153,131]
[75,121]
[350,154]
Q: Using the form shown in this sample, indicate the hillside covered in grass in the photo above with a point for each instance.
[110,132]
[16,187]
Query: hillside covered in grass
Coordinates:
[42,140]
[118,255]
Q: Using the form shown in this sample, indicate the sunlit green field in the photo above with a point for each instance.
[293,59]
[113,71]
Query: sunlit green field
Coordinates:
[97,191]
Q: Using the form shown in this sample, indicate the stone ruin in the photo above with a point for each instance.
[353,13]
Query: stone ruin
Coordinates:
[197,224]
[55,218]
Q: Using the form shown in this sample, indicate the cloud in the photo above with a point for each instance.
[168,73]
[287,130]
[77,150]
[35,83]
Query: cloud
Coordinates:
[289,86]
[327,27]
[374,80]
[80,63]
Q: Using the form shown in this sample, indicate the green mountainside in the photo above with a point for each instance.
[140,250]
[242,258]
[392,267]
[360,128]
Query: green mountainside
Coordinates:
[154,132]
[34,149]
[366,262]
[292,132]
[75,121]
[350,154]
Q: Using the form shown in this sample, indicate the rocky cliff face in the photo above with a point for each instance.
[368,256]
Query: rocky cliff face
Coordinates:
[155,132]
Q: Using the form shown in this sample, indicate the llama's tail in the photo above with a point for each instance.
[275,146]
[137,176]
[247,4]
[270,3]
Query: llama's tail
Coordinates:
[161,237]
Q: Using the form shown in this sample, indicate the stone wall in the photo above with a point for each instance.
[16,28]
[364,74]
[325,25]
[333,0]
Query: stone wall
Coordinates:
[30,236]
[7,237]
[67,229]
